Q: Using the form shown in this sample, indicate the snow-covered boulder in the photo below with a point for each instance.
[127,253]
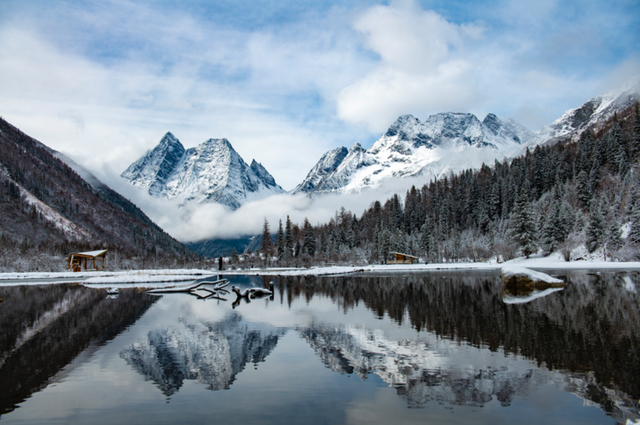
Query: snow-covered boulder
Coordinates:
[528,279]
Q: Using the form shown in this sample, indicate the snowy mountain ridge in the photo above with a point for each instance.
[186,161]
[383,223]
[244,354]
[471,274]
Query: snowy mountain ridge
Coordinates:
[595,111]
[210,172]
[443,142]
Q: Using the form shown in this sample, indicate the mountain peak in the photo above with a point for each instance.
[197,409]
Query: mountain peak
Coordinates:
[262,172]
[356,148]
[493,123]
[210,172]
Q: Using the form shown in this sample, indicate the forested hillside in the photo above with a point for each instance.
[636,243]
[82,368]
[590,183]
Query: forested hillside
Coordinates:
[49,211]
[579,198]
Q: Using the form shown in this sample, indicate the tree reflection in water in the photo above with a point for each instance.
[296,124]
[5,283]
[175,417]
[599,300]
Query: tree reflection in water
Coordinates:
[583,339]
[590,328]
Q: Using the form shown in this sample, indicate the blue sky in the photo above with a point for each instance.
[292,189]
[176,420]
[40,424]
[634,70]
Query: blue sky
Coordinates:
[286,81]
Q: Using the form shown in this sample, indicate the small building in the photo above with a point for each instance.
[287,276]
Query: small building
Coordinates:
[79,260]
[401,258]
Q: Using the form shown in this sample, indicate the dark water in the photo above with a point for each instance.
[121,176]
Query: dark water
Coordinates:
[435,348]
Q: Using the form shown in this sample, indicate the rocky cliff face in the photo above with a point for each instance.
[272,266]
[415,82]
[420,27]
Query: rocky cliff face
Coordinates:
[210,172]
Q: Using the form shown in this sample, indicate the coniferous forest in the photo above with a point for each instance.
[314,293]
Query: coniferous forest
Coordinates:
[579,198]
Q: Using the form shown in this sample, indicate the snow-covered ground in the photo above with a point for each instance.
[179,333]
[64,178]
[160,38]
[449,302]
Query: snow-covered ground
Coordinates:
[153,277]
[105,277]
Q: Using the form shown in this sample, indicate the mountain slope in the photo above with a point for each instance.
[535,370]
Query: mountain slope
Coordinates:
[442,143]
[210,172]
[44,201]
[593,113]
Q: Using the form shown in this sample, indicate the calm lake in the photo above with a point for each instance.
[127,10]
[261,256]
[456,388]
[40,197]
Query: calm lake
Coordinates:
[442,347]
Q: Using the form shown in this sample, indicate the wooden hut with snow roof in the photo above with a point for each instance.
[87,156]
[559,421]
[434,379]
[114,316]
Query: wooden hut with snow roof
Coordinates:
[400,258]
[77,261]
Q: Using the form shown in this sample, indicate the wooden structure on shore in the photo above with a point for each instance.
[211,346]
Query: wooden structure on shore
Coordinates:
[401,258]
[76,261]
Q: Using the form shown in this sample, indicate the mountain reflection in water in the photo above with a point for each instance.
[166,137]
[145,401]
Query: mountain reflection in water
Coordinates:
[444,338]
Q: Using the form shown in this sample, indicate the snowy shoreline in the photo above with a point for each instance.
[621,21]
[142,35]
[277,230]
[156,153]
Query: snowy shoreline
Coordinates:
[136,277]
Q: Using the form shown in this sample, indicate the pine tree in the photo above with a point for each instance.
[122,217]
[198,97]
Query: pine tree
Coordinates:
[427,239]
[522,225]
[584,189]
[635,137]
[309,246]
[613,235]
[267,243]
[596,228]
[280,241]
[288,240]
[634,234]
[234,256]
[384,244]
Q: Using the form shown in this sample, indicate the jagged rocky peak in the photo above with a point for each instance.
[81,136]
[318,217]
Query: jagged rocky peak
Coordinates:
[357,148]
[151,171]
[492,123]
[210,172]
[326,165]
[263,173]
[403,123]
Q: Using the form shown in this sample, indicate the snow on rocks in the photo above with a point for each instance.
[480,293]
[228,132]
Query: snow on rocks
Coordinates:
[513,274]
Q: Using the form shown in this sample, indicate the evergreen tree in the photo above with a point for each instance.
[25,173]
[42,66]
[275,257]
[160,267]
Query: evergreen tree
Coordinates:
[234,256]
[280,241]
[267,243]
[427,239]
[288,240]
[634,234]
[613,235]
[522,225]
[596,228]
[584,189]
[384,244]
[635,137]
[309,246]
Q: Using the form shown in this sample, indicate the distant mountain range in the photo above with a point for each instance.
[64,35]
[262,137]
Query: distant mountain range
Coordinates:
[210,172]
[442,143]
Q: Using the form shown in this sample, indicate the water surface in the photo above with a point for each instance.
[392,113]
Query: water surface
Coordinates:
[440,347]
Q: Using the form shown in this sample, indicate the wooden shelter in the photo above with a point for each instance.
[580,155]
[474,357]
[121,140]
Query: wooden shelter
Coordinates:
[79,260]
[401,258]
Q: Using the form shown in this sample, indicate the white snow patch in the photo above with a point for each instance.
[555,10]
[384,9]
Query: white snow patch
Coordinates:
[629,285]
[625,229]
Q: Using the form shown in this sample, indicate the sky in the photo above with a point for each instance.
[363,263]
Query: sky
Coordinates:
[285,81]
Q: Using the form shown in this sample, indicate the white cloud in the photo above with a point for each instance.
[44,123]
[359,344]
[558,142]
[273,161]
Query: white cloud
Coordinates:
[421,68]
[197,222]
[264,90]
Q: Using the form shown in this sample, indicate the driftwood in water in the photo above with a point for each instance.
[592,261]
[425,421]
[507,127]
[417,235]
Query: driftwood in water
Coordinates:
[218,286]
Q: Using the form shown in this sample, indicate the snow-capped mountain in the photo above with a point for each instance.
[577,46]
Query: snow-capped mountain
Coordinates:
[210,172]
[591,114]
[443,142]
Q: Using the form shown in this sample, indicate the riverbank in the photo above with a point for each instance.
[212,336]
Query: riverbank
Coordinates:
[171,275]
